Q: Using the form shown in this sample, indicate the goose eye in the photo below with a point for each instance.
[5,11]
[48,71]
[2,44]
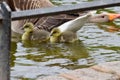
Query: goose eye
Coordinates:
[103,16]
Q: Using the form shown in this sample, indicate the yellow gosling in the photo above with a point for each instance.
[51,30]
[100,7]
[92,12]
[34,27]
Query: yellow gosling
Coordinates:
[33,34]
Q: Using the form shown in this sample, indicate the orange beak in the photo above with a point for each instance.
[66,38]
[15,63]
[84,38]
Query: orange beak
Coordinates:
[113,16]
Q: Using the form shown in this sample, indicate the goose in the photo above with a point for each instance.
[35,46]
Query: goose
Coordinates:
[48,23]
[67,31]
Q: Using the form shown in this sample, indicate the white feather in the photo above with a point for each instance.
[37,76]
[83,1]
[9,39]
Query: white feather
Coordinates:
[76,24]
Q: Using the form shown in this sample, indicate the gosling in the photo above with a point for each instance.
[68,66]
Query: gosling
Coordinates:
[33,34]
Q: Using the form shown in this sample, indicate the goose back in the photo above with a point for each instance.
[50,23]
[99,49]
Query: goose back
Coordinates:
[47,23]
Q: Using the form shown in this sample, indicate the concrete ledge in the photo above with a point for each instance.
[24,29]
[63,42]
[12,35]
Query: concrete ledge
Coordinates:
[109,67]
[89,74]
[53,78]
[104,71]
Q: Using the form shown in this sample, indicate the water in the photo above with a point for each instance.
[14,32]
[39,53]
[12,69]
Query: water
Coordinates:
[96,45]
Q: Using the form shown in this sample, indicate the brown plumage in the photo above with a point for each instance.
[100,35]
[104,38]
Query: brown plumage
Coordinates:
[47,23]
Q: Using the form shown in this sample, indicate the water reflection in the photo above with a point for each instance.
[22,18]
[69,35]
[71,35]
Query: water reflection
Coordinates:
[49,59]
[71,51]
[13,51]
[45,55]
[69,2]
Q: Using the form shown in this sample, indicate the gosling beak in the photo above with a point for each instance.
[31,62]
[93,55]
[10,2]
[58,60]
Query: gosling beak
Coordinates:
[51,34]
[22,28]
[113,16]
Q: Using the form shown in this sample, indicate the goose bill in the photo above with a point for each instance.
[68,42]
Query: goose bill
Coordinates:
[113,16]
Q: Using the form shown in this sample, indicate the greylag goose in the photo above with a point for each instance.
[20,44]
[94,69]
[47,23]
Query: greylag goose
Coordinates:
[46,24]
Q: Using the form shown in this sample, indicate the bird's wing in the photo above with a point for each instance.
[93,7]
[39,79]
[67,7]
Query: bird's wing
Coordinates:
[30,4]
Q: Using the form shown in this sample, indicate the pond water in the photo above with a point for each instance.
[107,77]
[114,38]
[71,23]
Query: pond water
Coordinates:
[96,45]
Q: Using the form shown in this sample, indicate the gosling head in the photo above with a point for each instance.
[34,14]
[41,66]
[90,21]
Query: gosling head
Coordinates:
[28,30]
[54,35]
[28,27]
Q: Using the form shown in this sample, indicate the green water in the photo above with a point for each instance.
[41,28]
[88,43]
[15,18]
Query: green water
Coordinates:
[96,45]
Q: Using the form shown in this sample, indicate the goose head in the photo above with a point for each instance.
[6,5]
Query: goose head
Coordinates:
[104,17]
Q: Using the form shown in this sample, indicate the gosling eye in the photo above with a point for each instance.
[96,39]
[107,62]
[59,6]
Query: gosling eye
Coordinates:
[30,32]
[54,32]
[26,26]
